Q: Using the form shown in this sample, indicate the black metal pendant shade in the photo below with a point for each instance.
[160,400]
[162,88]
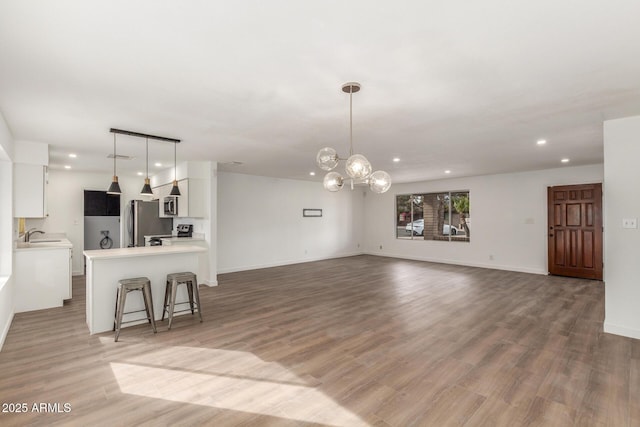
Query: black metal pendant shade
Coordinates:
[175,191]
[146,188]
[114,188]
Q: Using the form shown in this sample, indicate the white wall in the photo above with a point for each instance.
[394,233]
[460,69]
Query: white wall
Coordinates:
[622,200]
[260,222]
[6,225]
[508,219]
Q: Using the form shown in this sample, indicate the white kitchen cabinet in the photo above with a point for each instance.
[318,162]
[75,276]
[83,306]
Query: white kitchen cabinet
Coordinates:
[191,202]
[42,277]
[30,191]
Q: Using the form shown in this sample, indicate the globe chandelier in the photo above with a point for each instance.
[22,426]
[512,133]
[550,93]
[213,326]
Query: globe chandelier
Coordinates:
[357,166]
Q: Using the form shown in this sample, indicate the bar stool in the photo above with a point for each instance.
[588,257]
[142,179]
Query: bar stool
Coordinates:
[125,286]
[173,280]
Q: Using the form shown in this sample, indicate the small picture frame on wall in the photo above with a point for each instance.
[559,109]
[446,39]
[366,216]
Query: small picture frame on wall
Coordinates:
[312,213]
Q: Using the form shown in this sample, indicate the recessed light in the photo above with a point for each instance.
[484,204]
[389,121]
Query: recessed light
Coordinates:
[67,167]
[396,159]
[565,160]
[447,171]
[73,155]
[312,173]
[541,141]
[158,164]
[140,173]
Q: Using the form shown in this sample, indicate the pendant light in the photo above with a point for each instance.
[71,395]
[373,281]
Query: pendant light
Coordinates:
[175,191]
[358,168]
[146,188]
[114,188]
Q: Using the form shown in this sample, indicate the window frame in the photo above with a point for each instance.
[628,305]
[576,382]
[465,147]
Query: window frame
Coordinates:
[449,212]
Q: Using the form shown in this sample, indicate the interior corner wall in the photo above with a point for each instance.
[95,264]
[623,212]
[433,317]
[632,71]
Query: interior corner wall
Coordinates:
[6,229]
[508,219]
[622,246]
[260,222]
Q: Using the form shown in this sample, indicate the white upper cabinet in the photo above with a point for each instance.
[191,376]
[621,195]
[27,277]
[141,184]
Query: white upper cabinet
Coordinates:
[30,191]
[191,202]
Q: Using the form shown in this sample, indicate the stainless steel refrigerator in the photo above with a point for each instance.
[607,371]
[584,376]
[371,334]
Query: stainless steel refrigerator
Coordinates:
[144,220]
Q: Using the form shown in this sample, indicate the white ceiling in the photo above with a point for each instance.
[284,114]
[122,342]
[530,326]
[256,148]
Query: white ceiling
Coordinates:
[465,86]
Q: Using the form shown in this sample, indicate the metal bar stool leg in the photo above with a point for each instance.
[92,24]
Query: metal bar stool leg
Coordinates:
[172,300]
[115,312]
[148,303]
[122,296]
[166,297]
[189,285]
[196,293]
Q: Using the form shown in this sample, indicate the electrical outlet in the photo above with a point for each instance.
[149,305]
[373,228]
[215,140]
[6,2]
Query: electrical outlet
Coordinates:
[630,223]
[490,257]
[380,247]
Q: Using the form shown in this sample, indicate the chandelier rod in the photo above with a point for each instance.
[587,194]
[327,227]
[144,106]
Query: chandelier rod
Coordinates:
[350,120]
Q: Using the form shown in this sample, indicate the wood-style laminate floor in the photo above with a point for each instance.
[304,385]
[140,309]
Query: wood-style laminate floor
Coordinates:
[354,341]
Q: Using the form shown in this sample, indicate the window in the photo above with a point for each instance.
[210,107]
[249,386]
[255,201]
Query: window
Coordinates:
[433,216]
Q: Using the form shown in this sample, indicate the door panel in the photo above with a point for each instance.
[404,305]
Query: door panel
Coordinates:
[575,230]
[559,248]
[587,243]
[574,215]
[558,215]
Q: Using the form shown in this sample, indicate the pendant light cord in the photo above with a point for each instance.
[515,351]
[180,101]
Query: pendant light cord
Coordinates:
[175,163]
[114,154]
[147,166]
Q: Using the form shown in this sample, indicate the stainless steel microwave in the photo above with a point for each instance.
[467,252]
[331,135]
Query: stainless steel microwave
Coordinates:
[171,205]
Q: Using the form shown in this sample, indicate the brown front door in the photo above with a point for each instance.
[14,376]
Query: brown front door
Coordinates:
[575,230]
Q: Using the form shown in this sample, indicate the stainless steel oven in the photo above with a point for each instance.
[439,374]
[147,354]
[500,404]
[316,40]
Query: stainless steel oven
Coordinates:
[171,205]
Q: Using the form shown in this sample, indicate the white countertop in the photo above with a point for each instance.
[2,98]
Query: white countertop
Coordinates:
[141,251]
[183,239]
[46,241]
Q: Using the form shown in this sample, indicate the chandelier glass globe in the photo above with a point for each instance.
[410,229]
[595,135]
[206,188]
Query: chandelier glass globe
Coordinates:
[327,158]
[358,167]
[333,181]
[379,182]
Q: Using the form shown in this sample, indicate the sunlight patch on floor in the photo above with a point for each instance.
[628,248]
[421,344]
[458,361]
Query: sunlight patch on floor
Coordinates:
[226,379]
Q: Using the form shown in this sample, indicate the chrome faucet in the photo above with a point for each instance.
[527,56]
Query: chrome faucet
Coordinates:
[29,232]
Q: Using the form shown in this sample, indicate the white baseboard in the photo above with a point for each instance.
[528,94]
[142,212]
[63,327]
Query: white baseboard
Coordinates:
[621,330]
[5,331]
[285,262]
[211,283]
[458,262]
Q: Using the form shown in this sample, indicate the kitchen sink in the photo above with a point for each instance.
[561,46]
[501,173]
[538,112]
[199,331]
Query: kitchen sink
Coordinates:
[45,240]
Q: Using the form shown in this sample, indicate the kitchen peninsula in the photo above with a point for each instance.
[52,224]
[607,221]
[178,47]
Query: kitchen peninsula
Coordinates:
[106,267]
